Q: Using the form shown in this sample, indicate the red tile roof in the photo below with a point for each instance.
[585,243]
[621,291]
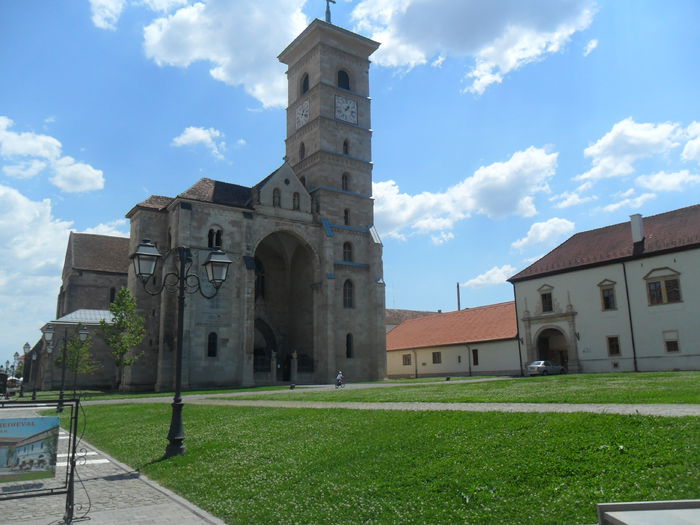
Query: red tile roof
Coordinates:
[484,323]
[671,231]
[218,192]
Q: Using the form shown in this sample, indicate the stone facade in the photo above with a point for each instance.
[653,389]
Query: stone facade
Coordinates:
[305,294]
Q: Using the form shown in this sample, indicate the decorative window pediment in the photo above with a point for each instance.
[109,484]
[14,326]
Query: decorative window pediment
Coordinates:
[606,283]
[661,273]
[545,288]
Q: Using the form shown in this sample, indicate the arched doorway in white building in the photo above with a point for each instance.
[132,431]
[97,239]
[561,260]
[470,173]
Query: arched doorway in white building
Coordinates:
[553,346]
[284,309]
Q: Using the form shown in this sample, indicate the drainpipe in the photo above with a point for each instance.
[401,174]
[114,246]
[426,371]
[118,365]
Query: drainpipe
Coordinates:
[629,314]
[517,332]
[415,360]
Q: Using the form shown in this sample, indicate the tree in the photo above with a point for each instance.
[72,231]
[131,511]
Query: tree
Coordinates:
[124,333]
[79,358]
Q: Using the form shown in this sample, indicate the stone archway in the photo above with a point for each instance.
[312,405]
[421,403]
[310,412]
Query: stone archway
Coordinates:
[284,306]
[553,346]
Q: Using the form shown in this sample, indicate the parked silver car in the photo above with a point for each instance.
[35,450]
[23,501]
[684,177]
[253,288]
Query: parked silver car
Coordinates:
[543,368]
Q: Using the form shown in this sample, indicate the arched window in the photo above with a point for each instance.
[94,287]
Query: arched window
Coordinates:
[348,347]
[345,182]
[346,217]
[259,279]
[214,238]
[347,252]
[276,198]
[212,344]
[303,181]
[305,83]
[302,151]
[343,79]
[346,147]
[295,200]
[348,294]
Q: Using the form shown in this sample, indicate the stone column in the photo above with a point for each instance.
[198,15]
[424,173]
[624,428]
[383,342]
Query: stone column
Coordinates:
[293,371]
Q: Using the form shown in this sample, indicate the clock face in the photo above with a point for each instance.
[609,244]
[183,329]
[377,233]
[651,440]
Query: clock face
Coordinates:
[346,109]
[302,114]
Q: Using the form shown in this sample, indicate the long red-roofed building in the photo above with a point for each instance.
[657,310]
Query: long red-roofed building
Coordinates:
[474,341]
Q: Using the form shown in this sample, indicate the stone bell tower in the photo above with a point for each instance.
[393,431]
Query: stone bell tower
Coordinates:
[329,132]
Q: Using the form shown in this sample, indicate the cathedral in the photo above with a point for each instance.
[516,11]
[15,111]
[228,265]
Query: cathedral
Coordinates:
[305,292]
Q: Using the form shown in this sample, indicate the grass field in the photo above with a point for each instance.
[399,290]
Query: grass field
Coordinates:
[260,465]
[648,387]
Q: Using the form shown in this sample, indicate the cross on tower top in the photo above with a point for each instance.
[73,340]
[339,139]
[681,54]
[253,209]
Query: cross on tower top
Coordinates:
[328,10]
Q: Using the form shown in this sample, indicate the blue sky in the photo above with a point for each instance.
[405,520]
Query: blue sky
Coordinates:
[500,128]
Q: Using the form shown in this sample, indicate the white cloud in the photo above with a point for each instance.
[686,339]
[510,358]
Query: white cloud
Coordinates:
[76,177]
[633,203]
[25,169]
[29,284]
[568,199]
[115,228]
[497,190]
[496,275]
[106,13]
[691,151]
[592,44]
[164,6]
[663,181]
[206,136]
[548,233]
[501,36]
[442,238]
[221,32]
[27,154]
[615,153]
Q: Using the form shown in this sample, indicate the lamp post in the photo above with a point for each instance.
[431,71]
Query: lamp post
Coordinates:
[34,385]
[145,260]
[26,348]
[82,335]
[48,336]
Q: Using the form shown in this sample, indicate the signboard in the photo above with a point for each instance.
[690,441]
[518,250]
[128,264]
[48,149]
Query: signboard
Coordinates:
[28,448]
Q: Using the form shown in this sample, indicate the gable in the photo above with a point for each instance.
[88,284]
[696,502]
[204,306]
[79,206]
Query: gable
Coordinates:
[286,184]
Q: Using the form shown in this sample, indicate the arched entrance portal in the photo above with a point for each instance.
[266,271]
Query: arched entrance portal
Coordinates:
[284,309]
[552,346]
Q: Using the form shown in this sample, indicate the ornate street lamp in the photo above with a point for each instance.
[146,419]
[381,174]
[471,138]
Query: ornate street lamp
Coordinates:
[145,260]
[83,334]
[26,348]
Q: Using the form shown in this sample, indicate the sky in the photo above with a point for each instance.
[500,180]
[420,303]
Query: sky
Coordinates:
[501,128]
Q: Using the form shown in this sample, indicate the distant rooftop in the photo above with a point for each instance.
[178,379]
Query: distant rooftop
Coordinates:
[671,231]
[473,325]
[86,317]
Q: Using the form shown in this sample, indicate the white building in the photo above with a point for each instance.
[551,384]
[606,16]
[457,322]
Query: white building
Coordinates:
[621,298]
[474,341]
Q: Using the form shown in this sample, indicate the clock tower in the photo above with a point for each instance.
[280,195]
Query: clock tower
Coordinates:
[329,132]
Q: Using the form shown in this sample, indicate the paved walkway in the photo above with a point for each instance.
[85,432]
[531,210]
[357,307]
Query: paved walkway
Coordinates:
[111,493]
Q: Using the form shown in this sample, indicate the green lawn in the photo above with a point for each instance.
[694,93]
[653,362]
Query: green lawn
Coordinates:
[266,465]
[648,387]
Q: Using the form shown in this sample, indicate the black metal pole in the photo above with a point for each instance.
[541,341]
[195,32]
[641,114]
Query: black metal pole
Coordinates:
[70,494]
[63,371]
[176,434]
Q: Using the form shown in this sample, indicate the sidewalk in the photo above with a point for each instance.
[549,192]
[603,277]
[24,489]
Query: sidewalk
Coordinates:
[111,493]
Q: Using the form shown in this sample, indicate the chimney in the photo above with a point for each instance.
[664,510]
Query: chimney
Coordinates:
[637,228]
[637,234]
